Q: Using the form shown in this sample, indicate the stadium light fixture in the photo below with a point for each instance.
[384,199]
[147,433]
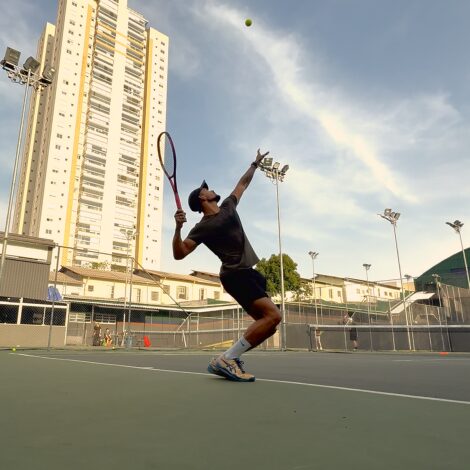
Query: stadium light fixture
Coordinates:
[31,65]
[391,216]
[47,75]
[457,226]
[11,59]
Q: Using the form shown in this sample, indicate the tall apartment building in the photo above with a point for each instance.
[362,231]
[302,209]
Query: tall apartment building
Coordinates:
[90,168]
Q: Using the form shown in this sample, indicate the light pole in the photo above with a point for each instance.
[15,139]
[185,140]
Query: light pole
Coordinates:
[367,267]
[25,75]
[393,217]
[457,226]
[275,175]
[437,281]
[130,235]
[313,255]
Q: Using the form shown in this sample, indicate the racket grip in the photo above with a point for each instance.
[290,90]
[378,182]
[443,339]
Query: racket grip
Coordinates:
[178,202]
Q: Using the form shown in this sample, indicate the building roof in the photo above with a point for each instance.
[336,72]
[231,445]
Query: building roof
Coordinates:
[108,275]
[27,239]
[179,277]
[451,271]
[139,276]
[340,281]
[62,278]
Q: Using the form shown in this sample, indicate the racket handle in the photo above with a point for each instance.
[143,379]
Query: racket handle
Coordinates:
[178,202]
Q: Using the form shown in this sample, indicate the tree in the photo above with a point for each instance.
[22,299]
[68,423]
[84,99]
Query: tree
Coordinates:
[100,265]
[271,270]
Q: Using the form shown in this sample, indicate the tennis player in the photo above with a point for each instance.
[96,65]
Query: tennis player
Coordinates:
[221,230]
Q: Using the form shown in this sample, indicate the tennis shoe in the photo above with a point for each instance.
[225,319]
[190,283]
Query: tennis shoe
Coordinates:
[212,367]
[232,369]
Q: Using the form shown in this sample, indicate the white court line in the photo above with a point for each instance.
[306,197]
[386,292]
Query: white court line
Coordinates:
[288,382]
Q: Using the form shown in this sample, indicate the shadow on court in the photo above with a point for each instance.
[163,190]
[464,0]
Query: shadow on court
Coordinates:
[120,410]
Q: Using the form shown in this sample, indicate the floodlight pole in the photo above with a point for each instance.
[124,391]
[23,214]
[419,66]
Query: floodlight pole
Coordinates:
[23,76]
[13,179]
[277,176]
[313,255]
[367,267]
[281,261]
[464,259]
[392,217]
[457,226]
[129,234]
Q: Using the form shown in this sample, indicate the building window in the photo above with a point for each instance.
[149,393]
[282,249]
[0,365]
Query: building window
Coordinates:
[91,288]
[181,292]
[330,292]
[112,292]
[202,294]
[138,294]
[216,295]
[166,289]
[154,295]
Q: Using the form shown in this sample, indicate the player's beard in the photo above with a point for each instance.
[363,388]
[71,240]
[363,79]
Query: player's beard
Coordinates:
[216,198]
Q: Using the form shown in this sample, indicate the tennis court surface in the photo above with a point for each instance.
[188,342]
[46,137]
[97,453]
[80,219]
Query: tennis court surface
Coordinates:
[161,410]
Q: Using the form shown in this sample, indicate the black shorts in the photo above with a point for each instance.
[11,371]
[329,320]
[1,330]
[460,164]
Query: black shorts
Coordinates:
[245,286]
[353,334]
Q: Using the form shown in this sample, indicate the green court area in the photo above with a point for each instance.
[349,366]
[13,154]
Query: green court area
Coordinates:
[155,410]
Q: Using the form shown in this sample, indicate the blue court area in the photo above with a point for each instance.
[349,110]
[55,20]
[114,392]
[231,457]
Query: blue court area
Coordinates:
[161,410]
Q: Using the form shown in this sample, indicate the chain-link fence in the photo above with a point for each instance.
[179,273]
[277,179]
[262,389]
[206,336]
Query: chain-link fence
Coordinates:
[101,300]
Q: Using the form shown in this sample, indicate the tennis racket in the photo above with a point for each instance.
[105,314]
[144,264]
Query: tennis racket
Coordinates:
[169,164]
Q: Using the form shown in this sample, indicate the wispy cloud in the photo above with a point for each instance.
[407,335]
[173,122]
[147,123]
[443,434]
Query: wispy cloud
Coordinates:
[283,55]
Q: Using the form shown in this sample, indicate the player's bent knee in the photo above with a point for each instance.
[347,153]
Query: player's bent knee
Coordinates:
[276,317]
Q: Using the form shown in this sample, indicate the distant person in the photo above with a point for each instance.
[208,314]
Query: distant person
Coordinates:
[96,334]
[221,230]
[348,320]
[318,334]
[108,341]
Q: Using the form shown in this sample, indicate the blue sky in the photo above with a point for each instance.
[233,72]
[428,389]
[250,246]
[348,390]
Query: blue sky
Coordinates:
[368,101]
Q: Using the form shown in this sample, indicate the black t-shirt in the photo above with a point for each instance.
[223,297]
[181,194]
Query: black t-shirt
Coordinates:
[223,234]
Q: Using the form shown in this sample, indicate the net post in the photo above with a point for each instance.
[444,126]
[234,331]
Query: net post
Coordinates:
[53,300]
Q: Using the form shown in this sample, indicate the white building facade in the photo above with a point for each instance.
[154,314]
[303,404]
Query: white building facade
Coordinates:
[90,169]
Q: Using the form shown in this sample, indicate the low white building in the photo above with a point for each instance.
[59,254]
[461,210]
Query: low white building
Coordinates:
[142,286]
[344,290]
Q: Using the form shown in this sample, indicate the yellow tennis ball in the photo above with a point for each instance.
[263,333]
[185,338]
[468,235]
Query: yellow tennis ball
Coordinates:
[248,22]
[13,349]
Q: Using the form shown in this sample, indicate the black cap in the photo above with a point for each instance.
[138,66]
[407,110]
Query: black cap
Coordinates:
[193,200]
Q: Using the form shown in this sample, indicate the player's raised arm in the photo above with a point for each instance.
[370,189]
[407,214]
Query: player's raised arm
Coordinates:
[245,180]
[181,248]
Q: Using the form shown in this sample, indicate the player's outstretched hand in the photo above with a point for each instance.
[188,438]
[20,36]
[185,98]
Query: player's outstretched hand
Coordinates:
[180,218]
[260,157]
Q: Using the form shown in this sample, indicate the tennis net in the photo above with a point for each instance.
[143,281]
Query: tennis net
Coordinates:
[389,337]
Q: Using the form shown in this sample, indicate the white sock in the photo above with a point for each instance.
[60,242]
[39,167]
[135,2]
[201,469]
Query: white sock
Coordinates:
[241,346]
